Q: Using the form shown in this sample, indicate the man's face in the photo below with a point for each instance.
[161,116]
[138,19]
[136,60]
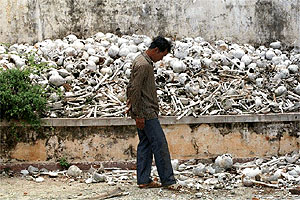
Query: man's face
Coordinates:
[158,55]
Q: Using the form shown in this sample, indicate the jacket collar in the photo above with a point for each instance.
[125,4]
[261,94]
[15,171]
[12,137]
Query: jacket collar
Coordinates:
[147,58]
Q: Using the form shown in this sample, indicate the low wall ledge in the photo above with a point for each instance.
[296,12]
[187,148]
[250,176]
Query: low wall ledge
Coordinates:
[124,121]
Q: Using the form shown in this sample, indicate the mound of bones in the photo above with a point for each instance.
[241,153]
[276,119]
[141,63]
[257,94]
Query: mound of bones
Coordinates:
[87,78]
[273,172]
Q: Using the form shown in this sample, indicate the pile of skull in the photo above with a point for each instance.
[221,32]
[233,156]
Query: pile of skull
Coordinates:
[87,78]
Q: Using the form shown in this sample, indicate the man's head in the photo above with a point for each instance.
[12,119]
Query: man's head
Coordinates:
[158,48]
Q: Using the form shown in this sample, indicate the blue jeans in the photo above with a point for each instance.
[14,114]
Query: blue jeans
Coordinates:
[153,142]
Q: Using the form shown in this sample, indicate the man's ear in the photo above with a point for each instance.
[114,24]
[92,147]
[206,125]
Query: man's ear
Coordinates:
[157,50]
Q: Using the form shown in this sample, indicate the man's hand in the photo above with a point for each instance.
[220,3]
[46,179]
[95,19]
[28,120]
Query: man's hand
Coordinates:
[140,123]
[128,104]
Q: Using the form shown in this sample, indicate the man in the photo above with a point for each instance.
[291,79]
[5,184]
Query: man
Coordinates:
[143,107]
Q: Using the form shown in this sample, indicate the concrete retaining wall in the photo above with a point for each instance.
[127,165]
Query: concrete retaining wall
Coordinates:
[241,21]
[92,140]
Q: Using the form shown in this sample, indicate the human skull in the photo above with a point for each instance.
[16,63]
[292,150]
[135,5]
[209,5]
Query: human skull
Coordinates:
[81,65]
[59,60]
[70,51]
[89,88]
[142,47]
[70,67]
[126,66]
[189,61]
[188,40]
[178,65]
[196,64]
[181,50]
[128,73]
[83,73]
[69,60]
[113,51]
[131,56]
[182,78]
[90,40]
[118,63]
[70,38]
[169,75]
[106,70]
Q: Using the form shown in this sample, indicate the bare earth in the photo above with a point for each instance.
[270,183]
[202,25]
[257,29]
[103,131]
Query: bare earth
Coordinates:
[64,188]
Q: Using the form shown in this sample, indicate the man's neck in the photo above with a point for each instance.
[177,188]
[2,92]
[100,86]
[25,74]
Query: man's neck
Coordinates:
[149,54]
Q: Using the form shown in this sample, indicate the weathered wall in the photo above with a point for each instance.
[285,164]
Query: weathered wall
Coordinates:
[242,21]
[78,144]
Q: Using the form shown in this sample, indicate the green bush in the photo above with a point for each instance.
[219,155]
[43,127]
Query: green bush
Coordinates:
[19,98]
[33,63]
[63,162]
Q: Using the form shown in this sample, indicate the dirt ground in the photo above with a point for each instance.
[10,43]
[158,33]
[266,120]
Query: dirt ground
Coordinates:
[60,188]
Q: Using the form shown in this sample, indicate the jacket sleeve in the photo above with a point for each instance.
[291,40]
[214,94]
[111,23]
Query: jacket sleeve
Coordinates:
[137,84]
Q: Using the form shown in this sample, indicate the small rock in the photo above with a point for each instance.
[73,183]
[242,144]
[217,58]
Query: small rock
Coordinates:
[290,159]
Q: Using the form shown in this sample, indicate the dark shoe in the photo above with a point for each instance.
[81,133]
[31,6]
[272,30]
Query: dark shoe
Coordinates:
[173,187]
[153,184]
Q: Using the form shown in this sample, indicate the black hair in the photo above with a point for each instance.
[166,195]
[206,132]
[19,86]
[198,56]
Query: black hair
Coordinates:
[161,43]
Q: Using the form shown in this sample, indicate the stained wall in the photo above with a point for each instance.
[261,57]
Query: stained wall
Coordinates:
[241,21]
[117,143]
